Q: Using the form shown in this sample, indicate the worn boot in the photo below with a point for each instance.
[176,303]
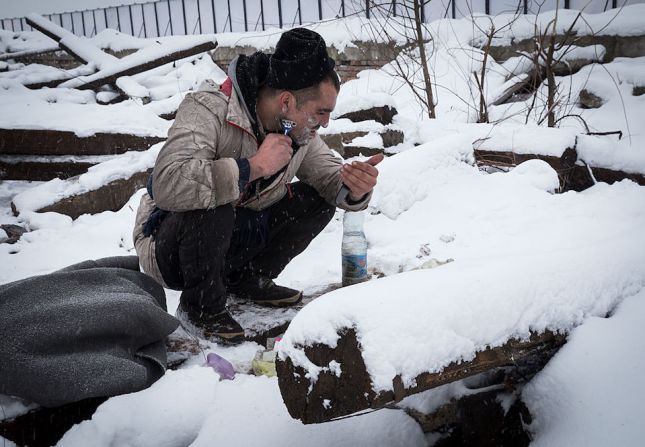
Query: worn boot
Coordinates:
[265,292]
[216,327]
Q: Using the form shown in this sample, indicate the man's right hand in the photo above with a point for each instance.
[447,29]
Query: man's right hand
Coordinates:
[273,154]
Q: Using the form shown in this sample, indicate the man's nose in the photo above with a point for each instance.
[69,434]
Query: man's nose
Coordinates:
[324,122]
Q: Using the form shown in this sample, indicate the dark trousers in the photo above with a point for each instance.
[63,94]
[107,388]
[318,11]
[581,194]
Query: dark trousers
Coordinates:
[200,251]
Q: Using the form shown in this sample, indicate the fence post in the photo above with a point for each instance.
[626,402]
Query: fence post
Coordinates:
[299,13]
[105,16]
[280,13]
[71,17]
[526,7]
[342,7]
[94,31]
[262,13]
[83,22]
[319,9]
[199,17]
[367,9]
[246,24]
[154,5]
[183,11]
[487,7]
[214,17]
[230,17]
[131,21]
[454,9]
[143,19]
[118,19]
[172,32]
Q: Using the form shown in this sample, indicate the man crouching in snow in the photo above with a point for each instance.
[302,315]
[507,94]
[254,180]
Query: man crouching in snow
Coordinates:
[221,216]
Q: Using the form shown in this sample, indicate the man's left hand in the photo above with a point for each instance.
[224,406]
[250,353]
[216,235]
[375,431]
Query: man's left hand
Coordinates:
[360,176]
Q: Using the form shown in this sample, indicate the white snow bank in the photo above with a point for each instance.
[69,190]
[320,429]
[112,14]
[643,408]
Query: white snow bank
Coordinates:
[345,125]
[51,248]
[120,167]
[538,173]
[13,42]
[169,413]
[399,186]
[607,152]
[190,407]
[592,53]
[589,394]
[527,140]
[352,101]
[70,110]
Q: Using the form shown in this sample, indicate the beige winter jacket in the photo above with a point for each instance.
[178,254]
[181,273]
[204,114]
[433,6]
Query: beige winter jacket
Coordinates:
[196,168]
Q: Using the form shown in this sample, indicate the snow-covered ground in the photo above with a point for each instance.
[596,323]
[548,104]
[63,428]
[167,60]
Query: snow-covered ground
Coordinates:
[524,258]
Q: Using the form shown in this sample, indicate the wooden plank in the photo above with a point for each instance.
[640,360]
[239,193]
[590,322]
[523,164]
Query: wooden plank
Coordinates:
[78,48]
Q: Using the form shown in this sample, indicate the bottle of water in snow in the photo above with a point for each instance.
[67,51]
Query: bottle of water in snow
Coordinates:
[354,249]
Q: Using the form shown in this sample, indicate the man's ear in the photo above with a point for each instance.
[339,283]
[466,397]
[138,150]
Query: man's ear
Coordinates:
[286,100]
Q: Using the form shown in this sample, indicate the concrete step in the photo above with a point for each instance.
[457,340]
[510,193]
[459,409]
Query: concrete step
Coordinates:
[59,142]
[43,168]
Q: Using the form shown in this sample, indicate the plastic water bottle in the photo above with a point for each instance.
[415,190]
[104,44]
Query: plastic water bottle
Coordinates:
[354,249]
[221,366]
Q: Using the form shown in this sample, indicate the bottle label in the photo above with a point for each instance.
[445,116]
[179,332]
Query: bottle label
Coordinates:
[354,268]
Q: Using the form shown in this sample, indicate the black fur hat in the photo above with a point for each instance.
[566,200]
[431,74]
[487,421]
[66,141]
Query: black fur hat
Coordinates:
[300,60]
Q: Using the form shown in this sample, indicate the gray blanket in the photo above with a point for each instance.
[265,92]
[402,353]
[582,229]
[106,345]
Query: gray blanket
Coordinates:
[92,329]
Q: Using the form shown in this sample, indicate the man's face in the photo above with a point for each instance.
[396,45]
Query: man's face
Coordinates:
[312,114]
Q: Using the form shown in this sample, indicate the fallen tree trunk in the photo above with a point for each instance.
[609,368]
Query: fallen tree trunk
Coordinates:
[59,142]
[332,396]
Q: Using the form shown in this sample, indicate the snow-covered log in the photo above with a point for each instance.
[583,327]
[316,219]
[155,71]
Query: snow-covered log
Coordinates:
[562,163]
[80,49]
[145,59]
[331,395]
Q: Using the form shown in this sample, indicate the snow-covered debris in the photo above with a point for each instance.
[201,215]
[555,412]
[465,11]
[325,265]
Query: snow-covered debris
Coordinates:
[553,277]
[26,41]
[145,55]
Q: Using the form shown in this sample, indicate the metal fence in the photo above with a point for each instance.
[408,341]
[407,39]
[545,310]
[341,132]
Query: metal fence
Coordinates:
[179,17]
